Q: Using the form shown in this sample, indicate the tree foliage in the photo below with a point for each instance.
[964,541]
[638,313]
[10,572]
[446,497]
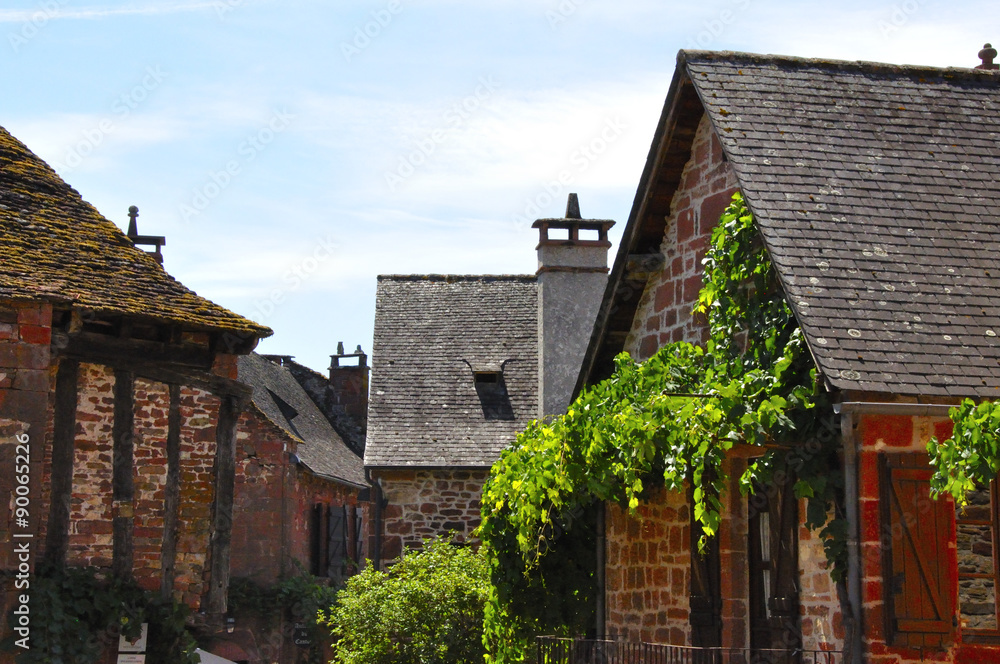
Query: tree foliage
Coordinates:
[427,609]
[665,422]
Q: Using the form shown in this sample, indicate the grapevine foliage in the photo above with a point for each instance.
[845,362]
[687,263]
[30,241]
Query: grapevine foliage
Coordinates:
[665,422]
[971,457]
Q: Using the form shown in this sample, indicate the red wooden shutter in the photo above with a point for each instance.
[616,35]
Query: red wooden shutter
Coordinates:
[920,602]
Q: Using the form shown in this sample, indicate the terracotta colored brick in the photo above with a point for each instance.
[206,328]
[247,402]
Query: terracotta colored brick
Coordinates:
[664,298]
[36,334]
[890,430]
[943,429]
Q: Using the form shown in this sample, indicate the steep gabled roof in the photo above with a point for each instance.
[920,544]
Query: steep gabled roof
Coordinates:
[280,398]
[877,191]
[431,333]
[55,246]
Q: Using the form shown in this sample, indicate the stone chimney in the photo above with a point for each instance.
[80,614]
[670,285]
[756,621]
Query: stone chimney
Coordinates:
[349,383]
[572,274]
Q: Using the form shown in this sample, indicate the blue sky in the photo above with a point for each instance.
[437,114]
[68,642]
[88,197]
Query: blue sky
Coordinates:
[291,151]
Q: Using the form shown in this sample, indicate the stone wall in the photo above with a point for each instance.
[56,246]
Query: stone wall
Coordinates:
[427,503]
[90,504]
[664,313]
[25,332]
[199,415]
[152,409]
[648,570]
[822,620]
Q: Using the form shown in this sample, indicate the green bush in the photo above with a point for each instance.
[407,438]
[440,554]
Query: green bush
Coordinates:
[427,609]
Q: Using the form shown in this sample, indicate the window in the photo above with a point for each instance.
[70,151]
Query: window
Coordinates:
[976,539]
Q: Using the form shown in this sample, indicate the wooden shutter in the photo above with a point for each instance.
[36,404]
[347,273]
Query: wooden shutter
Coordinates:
[338,542]
[919,598]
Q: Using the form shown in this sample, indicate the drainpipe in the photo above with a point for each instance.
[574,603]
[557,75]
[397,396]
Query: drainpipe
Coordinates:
[599,610]
[852,500]
[377,497]
[852,497]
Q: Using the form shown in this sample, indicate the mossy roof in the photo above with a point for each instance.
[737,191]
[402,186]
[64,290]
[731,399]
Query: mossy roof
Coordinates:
[55,246]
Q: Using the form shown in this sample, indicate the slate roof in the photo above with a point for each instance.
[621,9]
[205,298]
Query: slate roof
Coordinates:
[55,246]
[280,398]
[877,191]
[431,332]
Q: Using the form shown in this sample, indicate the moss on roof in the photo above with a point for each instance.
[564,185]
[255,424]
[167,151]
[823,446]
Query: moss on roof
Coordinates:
[55,246]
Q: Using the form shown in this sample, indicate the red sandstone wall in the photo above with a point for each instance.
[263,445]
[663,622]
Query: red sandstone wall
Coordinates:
[664,313]
[882,434]
[648,570]
[273,502]
[427,503]
[25,335]
[152,409]
[822,620]
[90,504]
[199,415]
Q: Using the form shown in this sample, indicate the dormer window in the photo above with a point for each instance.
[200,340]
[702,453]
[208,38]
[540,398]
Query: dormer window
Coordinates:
[491,388]
[487,377]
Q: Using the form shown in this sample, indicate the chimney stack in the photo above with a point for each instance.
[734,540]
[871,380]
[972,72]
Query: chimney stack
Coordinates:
[572,274]
[349,383]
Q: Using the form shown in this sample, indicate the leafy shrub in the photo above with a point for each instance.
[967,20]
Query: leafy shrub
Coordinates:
[427,609]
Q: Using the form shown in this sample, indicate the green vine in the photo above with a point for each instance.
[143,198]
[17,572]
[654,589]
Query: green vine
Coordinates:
[665,422]
[79,612]
[971,456]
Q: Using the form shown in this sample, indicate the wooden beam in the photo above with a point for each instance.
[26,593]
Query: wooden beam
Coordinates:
[63,434]
[157,370]
[172,491]
[94,345]
[222,513]
[122,485]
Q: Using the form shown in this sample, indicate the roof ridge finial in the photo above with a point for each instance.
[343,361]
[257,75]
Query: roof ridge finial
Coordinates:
[573,207]
[986,55]
[133,226]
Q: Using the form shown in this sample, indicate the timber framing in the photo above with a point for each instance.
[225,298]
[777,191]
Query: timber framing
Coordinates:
[122,485]
[222,512]
[63,434]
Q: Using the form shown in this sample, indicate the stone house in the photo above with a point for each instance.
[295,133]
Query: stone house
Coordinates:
[460,364]
[120,386]
[874,188]
[300,500]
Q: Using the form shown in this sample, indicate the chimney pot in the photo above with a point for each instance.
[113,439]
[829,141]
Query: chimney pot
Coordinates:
[986,55]
[573,207]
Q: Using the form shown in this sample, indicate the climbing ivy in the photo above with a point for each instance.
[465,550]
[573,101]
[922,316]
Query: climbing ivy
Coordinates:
[971,456]
[79,613]
[663,422]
